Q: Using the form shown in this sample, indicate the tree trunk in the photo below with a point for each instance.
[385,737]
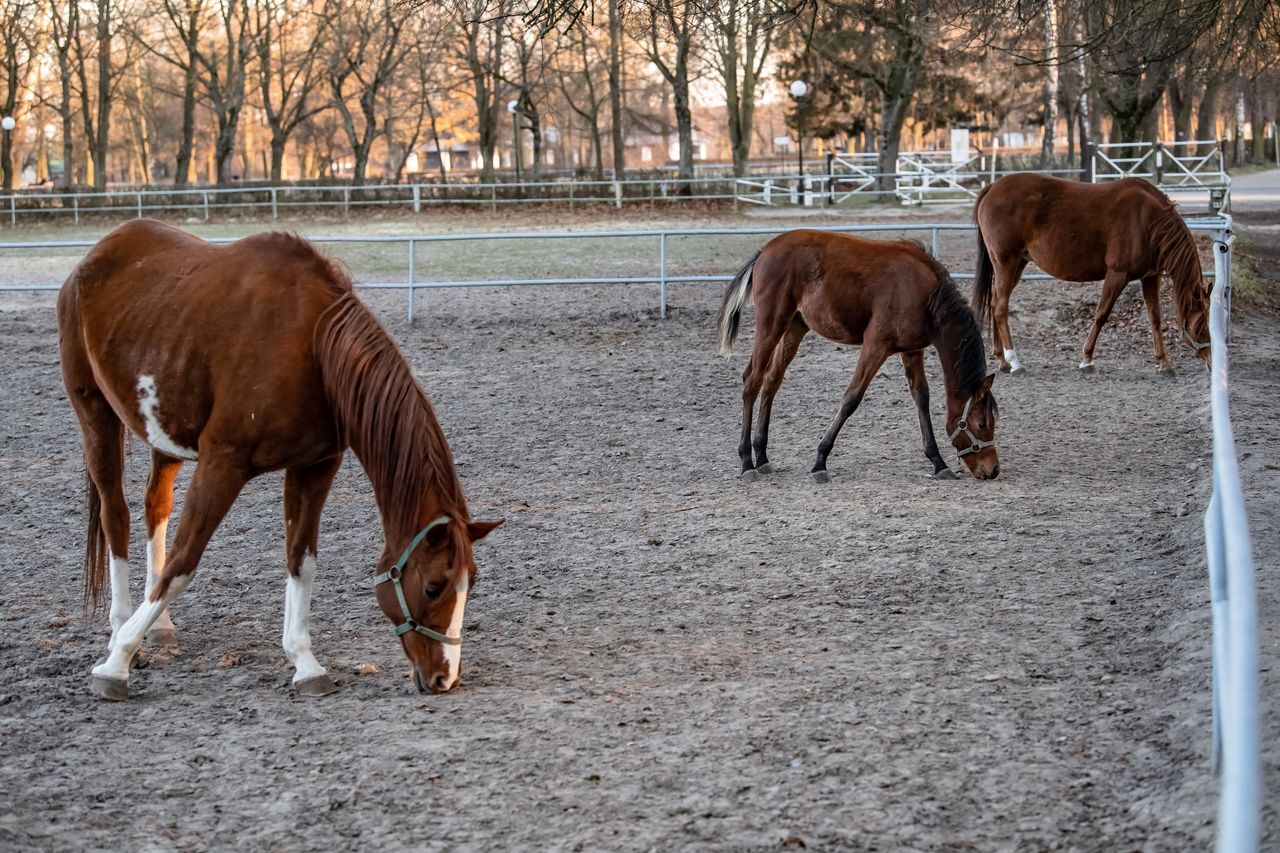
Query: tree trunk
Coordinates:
[1241,152]
[1207,120]
[895,103]
[104,96]
[1257,121]
[1083,105]
[1179,92]
[615,92]
[191,77]
[1050,83]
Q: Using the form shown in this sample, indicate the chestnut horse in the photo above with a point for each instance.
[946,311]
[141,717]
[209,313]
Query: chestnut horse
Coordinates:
[252,357]
[1117,232]
[887,297]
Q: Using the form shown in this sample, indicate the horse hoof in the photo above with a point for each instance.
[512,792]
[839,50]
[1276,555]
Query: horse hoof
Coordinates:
[1004,368]
[111,689]
[944,474]
[766,468]
[1168,371]
[1018,371]
[749,476]
[167,637]
[1088,368]
[820,476]
[316,686]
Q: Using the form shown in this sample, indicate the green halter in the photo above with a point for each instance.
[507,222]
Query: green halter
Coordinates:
[393,574]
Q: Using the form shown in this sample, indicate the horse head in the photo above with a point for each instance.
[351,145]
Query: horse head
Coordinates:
[424,594]
[973,432]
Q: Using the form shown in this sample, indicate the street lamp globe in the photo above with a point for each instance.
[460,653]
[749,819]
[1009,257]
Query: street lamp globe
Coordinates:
[799,88]
[512,105]
[8,123]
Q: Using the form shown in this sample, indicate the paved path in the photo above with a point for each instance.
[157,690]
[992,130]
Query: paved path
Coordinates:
[1255,191]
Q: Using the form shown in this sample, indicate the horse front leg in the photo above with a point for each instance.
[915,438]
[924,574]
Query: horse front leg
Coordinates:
[214,488]
[305,491]
[1112,286]
[913,362]
[1151,296]
[869,360]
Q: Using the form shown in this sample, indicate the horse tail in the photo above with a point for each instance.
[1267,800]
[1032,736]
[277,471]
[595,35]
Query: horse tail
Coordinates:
[1179,258]
[982,279]
[95,550]
[735,296]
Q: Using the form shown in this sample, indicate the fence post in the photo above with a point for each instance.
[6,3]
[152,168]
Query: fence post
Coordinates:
[617,194]
[412,244]
[206,205]
[417,200]
[1090,170]
[275,204]
[933,241]
[75,207]
[1159,170]
[13,211]
[662,275]
[493,197]
[346,201]
[139,196]
[768,192]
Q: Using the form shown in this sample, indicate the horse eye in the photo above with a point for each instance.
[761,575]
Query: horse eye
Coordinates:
[434,590]
[982,425]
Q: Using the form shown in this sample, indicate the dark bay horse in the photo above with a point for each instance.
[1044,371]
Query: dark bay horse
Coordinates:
[247,358]
[887,297]
[1117,232]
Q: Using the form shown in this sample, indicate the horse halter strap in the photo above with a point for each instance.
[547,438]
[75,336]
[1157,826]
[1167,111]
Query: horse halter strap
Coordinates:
[962,428]
[393,575]
[1199,346]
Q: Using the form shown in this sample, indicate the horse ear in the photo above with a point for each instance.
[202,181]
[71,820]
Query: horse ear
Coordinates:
[477,530]
[985,387]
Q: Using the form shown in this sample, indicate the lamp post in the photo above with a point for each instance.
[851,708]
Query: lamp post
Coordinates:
[513,107]
[8,124]
[798,90]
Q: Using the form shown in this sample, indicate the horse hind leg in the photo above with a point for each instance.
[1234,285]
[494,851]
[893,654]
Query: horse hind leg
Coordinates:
[1112,286]
[305,491]
[159,505]
[1151,296]
[769,331]
[783,354]
[214,488]
[1007,276]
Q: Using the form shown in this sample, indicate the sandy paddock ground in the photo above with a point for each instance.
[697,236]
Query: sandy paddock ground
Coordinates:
[658,655]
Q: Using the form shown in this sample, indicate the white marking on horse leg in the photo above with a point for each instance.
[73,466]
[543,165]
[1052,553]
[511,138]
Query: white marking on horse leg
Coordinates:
[155,564]
[1011,356]
[149,408]
[1086,364]
[121,603]
[297,622]
[453,654]
[129,637]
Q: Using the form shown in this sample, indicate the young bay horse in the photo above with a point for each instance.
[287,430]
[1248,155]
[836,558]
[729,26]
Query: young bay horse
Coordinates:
[1117,232]
[887,297]
[252,357]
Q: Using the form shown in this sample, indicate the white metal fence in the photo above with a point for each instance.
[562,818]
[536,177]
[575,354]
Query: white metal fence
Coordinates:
[1235,737]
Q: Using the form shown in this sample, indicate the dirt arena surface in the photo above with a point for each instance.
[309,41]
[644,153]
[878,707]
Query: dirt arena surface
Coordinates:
[659,656]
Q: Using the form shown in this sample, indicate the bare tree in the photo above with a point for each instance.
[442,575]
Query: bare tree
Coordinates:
[578,69]
[480,50]
[17,18]
[742,31]
[96,100]
[184,20]
[366,48]
[287,38]
[64,22]
[672,27]
[1051,60]
[617,130]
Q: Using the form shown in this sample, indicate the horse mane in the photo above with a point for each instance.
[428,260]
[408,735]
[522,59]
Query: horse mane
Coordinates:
[956,327]
[1176,255]
[383,414]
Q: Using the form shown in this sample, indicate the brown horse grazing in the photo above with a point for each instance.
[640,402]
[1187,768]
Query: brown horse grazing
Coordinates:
[254,357]
[887,297]
[1117,232]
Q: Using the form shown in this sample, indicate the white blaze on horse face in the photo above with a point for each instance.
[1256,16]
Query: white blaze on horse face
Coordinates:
[453,654]
[149,408]
[1011,356]
[297,622]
